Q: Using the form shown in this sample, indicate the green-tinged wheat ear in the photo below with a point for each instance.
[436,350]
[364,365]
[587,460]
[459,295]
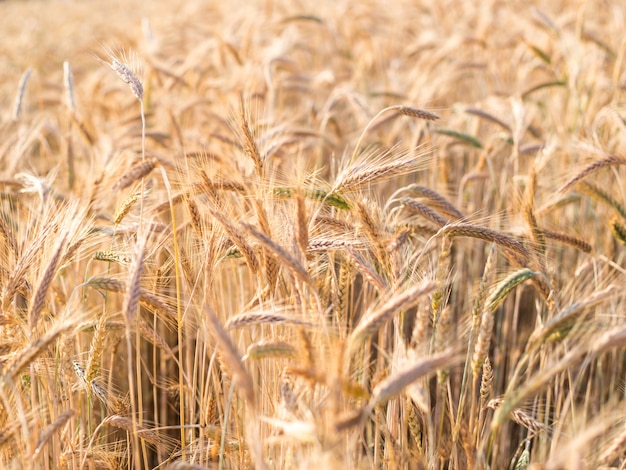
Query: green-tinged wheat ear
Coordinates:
[334,200]
[618,230]
[270,349]
[505,286]
[493,301]
[598,193]
[374,319]
[559,326]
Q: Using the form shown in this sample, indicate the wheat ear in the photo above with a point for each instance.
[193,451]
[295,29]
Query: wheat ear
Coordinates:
[374,319]
[611,160]
[17,107]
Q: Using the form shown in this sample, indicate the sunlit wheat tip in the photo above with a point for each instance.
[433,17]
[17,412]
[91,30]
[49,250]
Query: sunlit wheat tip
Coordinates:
[129,77]
[17,107]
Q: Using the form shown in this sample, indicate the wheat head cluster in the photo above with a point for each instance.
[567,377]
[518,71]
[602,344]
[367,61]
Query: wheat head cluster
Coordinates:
[284,234]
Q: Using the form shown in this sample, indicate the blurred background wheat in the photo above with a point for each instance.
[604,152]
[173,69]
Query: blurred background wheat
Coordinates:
[289,235]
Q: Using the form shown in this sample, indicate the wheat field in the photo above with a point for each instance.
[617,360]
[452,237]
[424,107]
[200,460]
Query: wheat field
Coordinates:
[283,234]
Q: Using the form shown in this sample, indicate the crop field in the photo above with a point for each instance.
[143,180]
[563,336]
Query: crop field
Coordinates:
[285,234]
